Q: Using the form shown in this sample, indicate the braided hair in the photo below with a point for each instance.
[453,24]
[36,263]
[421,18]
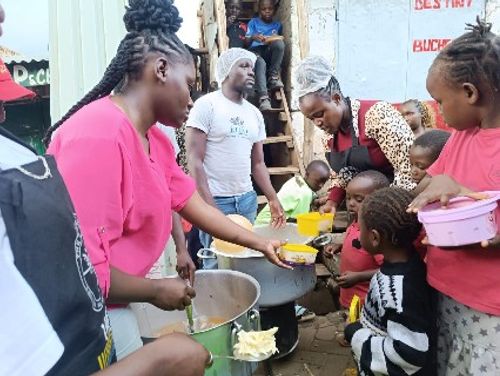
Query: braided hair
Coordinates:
[385,211]
[333,87]
[473,57]
[434,140]
[151,26]
[426,112]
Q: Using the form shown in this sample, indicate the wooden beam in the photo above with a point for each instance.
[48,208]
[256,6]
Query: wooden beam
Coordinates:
[303,19]
[220,17]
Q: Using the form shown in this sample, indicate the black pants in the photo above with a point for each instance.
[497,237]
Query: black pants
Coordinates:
[194,245]
[271,56]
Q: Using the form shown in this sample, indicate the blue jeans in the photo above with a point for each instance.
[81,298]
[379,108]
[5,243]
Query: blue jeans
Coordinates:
[245,205]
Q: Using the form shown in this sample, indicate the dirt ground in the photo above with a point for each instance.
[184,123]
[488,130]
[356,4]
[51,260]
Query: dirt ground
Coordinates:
[317,354]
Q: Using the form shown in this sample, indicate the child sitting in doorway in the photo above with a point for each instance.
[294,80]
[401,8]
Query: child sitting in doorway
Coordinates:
[236,33]
[357,266]
[297,194]
[264,36]
[395,334]
[425,151]
[235,29]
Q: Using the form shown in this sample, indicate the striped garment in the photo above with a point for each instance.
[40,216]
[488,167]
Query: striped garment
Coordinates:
[396,332]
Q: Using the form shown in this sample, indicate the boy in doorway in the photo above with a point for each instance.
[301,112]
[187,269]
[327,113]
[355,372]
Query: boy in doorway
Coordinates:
[236,30]
[264,36]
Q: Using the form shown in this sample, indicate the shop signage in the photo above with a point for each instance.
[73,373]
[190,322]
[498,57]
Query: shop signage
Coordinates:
[31,74]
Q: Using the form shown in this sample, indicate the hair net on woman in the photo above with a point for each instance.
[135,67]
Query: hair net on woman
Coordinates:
[228,59]
[312,74]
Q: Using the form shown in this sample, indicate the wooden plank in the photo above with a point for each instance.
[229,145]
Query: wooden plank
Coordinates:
[322,271]
[278,139]
[283,170]
[295,159]
[274,110]
[220,17]
[303,20]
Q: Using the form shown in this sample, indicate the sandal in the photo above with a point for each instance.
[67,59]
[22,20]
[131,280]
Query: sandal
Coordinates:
[303,314]
[339,337]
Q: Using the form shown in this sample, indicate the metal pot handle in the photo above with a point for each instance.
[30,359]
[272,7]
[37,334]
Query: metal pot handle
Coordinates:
[254,318]
[235,329]
[322,240]
[206,254]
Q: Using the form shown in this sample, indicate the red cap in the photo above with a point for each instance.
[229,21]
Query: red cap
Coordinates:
[10,90]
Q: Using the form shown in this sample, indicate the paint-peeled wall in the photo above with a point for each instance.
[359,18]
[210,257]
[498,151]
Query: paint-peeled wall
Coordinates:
[84,37]
[321,16]
[382,50]
[493,14]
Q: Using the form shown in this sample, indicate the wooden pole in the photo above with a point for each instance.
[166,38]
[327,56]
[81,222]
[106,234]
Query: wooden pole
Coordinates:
[303,19]
[220,17]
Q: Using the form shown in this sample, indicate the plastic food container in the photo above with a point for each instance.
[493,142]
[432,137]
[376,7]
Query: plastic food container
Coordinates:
[298,254]
[314,223]
[464,221]
[355,309]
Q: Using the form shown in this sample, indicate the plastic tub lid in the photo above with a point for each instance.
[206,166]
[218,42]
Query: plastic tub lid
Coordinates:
[459,208]
[300,248]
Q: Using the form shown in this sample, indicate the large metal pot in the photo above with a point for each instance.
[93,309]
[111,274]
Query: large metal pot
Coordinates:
[278,285]
[219,293]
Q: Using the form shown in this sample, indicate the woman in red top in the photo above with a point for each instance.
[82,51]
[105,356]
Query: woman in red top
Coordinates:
[363,135]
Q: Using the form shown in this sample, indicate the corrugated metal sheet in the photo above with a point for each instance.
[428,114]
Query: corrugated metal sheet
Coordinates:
[22,59]
[84,35]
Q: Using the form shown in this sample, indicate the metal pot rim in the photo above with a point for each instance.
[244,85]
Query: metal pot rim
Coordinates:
[235,273]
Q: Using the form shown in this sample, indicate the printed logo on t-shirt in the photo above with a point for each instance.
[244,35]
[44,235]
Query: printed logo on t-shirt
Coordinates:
[238,128]
[86,270]
[106,356]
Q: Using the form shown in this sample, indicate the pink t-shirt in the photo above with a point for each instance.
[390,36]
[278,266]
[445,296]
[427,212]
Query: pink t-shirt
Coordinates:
[471,277]
[123,197]
[356,260]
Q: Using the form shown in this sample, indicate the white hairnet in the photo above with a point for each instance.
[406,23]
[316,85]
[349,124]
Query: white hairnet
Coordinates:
[228,58]
[312,74]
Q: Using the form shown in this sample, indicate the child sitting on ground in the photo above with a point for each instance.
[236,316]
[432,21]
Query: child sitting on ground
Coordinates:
[263,33]
[395,333]
[357,266]
[297,194]
[425,151]
[419,116]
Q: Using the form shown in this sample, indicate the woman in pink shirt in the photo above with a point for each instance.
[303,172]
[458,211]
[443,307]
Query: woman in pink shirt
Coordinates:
[465,80]
[121,171]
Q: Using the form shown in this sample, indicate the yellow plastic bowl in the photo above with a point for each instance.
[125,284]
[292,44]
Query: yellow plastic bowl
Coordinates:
[314,223]
[298,254]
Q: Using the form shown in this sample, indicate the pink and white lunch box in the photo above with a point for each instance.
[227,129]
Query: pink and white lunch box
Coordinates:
[464,221]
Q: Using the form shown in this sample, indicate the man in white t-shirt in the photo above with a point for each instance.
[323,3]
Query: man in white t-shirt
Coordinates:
[225,135]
